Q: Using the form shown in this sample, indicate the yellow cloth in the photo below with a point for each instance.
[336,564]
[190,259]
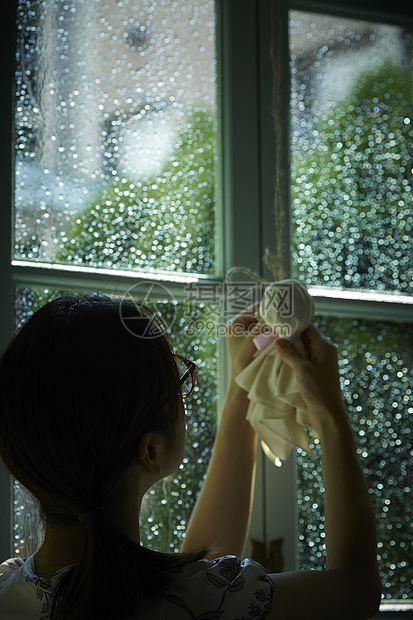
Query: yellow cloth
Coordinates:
[277,410]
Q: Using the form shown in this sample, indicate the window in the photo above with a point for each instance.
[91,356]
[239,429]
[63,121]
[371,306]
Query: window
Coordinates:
[115,135]
[352,215]
[202,181]
[115,157]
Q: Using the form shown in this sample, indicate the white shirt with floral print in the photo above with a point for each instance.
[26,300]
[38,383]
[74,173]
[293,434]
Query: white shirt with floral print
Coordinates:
[223,589]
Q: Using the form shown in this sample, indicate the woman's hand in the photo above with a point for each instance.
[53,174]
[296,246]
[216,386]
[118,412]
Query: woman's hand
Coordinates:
[240,332]
[317,376]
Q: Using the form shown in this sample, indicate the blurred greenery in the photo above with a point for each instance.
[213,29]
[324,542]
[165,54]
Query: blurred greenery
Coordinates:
[375,367]
[351,189]
[166,222]
[352,227]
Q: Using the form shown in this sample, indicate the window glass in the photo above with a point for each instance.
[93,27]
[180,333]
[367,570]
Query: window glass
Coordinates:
[351,152]
[115,134]
[376,376]
[167,506]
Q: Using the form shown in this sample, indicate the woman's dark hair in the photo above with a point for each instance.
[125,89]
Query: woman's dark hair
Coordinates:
[80,383]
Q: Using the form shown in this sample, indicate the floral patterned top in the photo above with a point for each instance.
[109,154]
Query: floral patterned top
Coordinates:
[223,589]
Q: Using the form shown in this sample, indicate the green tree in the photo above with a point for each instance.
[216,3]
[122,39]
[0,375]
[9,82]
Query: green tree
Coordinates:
[166,222]
[351,190]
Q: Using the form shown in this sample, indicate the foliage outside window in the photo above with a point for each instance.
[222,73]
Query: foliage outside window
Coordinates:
[115,135]
[352,216]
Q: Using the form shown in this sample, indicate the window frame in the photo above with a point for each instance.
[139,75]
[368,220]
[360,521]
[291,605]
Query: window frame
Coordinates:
[281,521]
[245,180]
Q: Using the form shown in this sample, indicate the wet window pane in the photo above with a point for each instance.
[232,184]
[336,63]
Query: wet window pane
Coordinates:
[376,376]
[167,506]
[352,153]
[115,134]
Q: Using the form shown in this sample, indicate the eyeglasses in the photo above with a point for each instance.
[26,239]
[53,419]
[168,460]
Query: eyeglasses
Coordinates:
[186,371]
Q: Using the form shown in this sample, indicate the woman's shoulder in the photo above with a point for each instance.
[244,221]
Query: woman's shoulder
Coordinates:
[223,586]
[10,570]
[11,564]
[18,570]
[228,566]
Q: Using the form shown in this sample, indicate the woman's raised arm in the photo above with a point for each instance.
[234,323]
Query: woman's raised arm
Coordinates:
[350,586]
[221,515]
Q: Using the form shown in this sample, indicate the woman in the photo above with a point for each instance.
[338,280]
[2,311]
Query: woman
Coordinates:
[91,416]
